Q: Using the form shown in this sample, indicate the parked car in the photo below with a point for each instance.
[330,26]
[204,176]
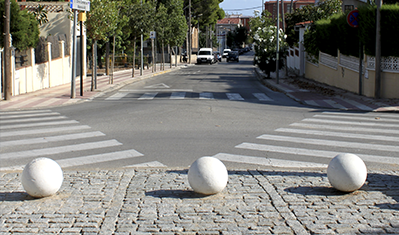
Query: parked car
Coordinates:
[233,56]
[205,55]
[225,52]
[217,56]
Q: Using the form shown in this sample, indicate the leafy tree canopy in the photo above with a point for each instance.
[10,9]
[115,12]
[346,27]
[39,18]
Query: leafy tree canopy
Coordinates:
[23,27]
[323,10]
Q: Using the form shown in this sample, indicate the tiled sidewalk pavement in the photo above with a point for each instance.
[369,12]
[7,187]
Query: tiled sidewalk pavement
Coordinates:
[60,95]
[160,201]
[321,95]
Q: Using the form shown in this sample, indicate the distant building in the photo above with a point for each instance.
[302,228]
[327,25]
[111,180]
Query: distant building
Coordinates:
[272,8]
[230,23]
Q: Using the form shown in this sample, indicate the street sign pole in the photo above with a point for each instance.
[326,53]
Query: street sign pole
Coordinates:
[73,79]
[75,5]
[353,21]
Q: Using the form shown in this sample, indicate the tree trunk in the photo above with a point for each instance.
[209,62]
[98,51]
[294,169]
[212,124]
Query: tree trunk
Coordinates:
[170,56]
[163,56]
[134,56]
[93,66]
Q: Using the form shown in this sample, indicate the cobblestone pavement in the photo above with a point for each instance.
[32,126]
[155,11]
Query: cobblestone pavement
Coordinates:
[160,201]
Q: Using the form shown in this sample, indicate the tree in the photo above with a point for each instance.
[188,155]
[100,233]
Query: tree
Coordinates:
[101,21]
[312,13]
[140,21]
[264,36]
[23,27]
[174,24]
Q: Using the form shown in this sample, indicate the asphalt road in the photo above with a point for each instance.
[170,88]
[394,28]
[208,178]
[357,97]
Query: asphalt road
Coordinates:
[216,110]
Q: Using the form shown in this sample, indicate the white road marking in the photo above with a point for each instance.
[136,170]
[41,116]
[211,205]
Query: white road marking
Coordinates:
[314,153]
[234,96]
[333,143]
[262,97]
[86,160]
[376,119]
[148,96]
[339,134]
[28,115]
[146,164]
[4,127]
[178,95]
[267,161]
[206,95]
[42,131]
[374,124]
[48,139]
[117,96]
[61,149]
[344,128]
[32,119]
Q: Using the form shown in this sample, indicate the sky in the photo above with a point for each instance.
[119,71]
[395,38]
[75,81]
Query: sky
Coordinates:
[245,7]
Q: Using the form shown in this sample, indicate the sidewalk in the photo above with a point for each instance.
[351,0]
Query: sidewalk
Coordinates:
[160,201]
[320,95]
[61,95]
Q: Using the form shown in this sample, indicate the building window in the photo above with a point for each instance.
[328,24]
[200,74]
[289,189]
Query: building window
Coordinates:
[348,7]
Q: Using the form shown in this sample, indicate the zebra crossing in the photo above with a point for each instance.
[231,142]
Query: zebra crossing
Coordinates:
[180,95]
[25,135]
[374,137]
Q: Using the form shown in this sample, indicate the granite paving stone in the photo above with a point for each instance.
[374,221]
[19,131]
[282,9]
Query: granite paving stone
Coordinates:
[160,201]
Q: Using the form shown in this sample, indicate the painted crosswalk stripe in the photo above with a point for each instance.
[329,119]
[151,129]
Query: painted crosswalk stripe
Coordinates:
[32,119]
[178,95]
[86,160]
[384,115]
[42,131]
[343,144]
[148,96]
[25,112]
[314,153]
[206,95]
[344,128]
[4,127]
[267,161]
[350,123]
[262,97]
[48,139]
[105,157]
[234,96]
[357,118]
[339,134]
[146,164]
[29,115]
[61,149]
[117,96]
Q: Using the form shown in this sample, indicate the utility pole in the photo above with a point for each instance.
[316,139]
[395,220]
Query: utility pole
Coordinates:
[141,48]
[73,79]
[378,51]
[7,55]
[277,49]
[189,34]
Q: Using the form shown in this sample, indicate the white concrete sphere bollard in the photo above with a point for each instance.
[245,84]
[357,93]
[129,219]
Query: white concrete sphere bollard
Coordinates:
[42,177]
[347,172]
[208,175]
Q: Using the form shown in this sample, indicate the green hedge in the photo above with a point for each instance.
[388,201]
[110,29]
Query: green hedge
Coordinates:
[389,29]
[328,35]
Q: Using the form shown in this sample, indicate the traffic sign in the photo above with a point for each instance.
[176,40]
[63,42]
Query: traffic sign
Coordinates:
[152,34]
[353,18]
[81,5]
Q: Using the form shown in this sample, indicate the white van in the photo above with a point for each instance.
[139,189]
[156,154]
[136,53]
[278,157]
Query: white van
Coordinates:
[225,53]
[205,55]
